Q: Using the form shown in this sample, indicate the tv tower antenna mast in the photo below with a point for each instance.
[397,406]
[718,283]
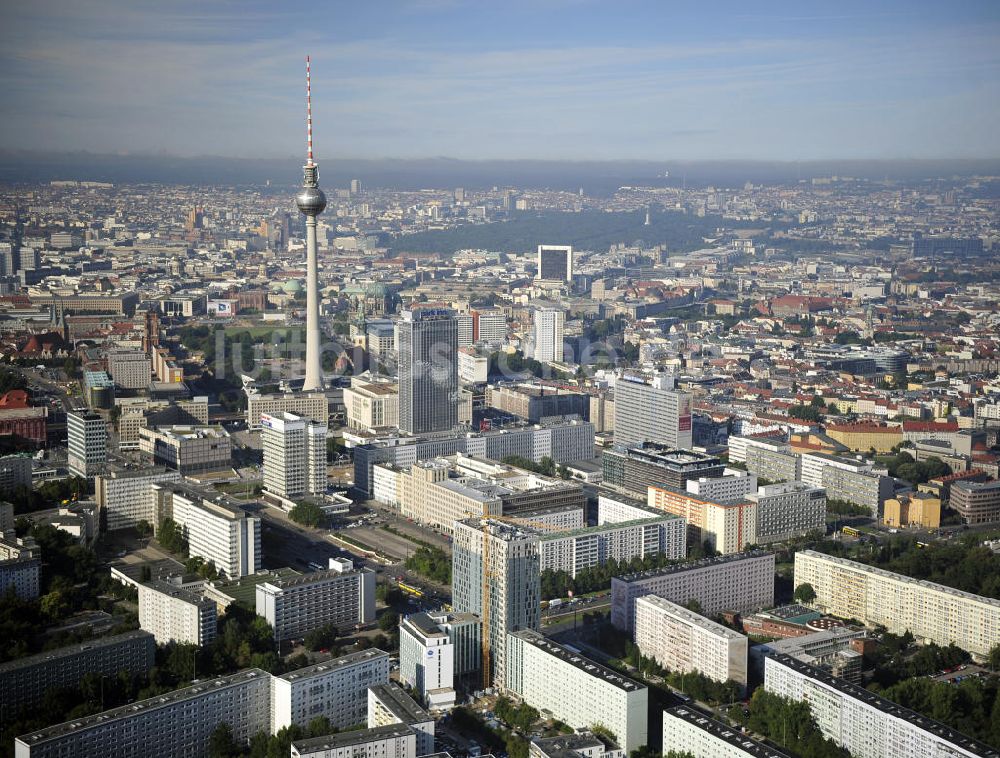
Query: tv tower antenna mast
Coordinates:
[311,202]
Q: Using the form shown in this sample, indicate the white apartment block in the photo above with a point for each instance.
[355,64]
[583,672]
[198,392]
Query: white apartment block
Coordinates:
[178,723]
[866,725]
[733,487]
[853,480]
[787,510]
[931,612]
[335,689]
[689,731]
[372,405]
[389,704]
[427,660]
[548,335]
[15,471]
[743,582]
[126,497]
[23,573]
[130,369]
[294,455]
[224,534]
[684,641]
[311,405]
[727,527]
[393,741]
[513,578]
[591,546]
[616,508]
[295,605]
[173,613]
[576,690]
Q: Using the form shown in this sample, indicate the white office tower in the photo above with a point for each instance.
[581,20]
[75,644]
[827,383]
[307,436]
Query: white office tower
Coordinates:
[434,650]
[555,263]
[465,324]
[87,439]
[176,614]
[683,641]
[294,455]
[652,412]
[311,202]
[576,690]
[511,583]
[427,346]
[548,335]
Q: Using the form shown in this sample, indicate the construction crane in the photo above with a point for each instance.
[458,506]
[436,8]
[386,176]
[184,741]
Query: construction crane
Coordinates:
[487,574]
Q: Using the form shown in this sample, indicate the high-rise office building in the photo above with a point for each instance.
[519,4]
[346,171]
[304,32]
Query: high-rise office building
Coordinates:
[652,412]
[87,439]
[294,455]
[427,345]
[548,335]
[555,263]
[512,583]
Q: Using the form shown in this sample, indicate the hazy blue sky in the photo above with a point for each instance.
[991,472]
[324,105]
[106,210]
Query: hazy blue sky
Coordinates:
[557,79]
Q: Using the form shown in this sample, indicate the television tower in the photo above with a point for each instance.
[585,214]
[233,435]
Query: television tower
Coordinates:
[311,202]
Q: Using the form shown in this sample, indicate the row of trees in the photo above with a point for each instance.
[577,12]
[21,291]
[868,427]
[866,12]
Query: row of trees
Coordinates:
[72,580]
[431,562]
[307,514]
[972,706]
[596,578]
[171,536]
[47,494]
[694,683]
[521,716]
[790,723]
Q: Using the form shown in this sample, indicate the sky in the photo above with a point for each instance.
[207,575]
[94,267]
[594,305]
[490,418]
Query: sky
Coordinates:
[544,79]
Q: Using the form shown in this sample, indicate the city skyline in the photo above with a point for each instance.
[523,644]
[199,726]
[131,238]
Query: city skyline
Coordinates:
[449,79]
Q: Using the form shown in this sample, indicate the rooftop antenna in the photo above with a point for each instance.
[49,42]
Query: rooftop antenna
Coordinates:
[309,112]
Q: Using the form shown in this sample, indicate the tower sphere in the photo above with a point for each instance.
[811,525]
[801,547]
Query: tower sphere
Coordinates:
[311,201]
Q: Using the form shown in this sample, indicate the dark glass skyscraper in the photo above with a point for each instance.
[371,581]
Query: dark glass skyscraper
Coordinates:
[428,374]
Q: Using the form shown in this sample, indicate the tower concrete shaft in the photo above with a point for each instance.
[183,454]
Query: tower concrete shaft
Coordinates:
[314,370]
[311,202]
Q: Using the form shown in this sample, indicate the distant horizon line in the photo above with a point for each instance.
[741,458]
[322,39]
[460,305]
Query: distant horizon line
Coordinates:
[50,154]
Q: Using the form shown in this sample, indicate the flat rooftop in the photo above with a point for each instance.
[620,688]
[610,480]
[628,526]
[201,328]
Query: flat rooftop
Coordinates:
[343,661]
[160,701]
[695,619]
[724,732]
[355,737]
[612,527]
[704,563]
[76,649]
[923,584]
[401,705]
[296,579]
[886,706]
[575,659]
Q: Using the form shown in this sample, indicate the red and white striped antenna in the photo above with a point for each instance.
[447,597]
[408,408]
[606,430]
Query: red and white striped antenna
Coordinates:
[309,111]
